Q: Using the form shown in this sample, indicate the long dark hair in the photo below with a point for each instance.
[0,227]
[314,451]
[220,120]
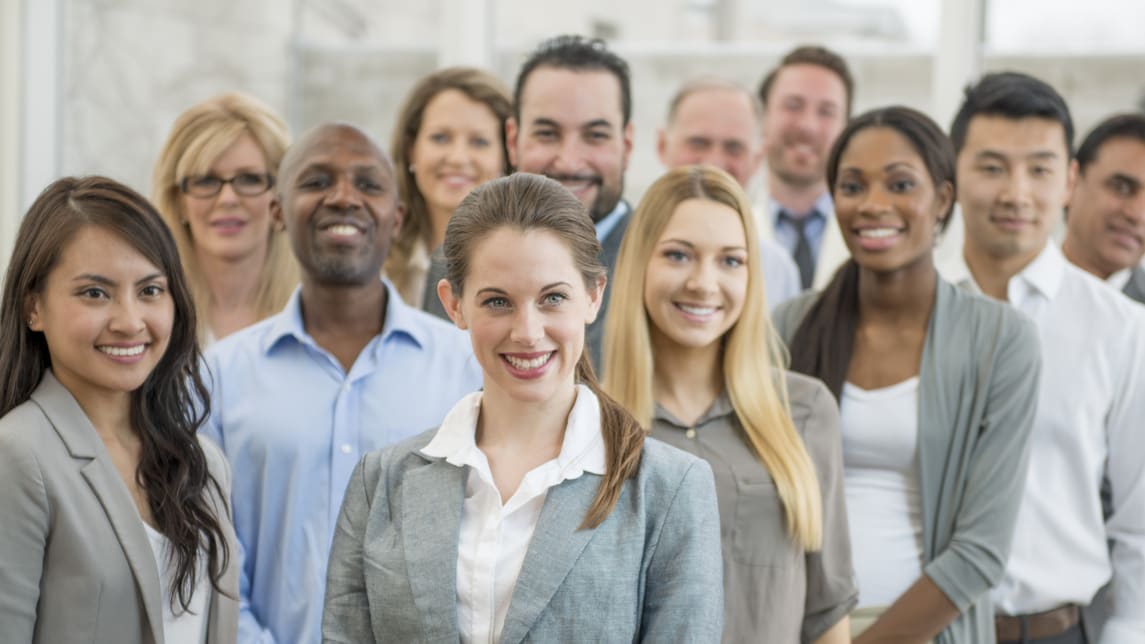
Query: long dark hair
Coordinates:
[167,410]
[824,341]
[532,202]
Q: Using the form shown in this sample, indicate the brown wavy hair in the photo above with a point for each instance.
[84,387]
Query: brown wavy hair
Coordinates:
[167,410]
[529,202]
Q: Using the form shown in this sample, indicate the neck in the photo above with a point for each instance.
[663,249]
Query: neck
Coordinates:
[796,199]
[1083,260]
[232,286]
[993,273]
[357,310]
[533,428]
[686,380]
[438,221]
[905,296]
[111,417]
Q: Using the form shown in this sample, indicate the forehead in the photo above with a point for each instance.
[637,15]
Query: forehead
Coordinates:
[342,147]
[571,97]
[1015,137]
[813,82]
[452,104]
[880,147]
[510,258]
[703,221]
[96,249]
[1125,155]
[715,109]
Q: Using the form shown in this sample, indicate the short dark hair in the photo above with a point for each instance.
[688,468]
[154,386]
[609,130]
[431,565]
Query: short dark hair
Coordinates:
[576,53]
[1012,95]
[811,55]
[1119,126]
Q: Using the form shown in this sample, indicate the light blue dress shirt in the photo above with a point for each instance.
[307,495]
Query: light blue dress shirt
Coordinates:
[293,425]
[786,234]
[609,221]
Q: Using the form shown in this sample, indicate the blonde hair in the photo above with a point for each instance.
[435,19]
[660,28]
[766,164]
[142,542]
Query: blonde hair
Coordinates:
[529,202]
[752,353]
[197,138]
[478,85]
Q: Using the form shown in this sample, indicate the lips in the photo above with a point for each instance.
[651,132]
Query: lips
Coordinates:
[124,353]
[1125,237]
[878,238]
[528,366]
[457,181]
[1012,223]
[342,230]
[700,313]
[577,183]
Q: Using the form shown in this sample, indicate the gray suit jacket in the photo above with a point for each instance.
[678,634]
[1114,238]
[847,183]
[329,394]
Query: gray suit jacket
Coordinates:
[650,572]
[609,252]
[978,388]
[75,561]
[1136,286]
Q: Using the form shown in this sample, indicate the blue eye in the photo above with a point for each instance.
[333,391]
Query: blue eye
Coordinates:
[733,262]
[553,299]
[674,255]
[496,303]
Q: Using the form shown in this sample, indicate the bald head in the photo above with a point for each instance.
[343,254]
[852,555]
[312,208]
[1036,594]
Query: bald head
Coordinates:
[716,122]
[320,140]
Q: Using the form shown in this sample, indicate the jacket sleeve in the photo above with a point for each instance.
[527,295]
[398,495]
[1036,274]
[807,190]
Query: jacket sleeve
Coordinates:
[683,597]
[346,615]
[24,520]
[975,559]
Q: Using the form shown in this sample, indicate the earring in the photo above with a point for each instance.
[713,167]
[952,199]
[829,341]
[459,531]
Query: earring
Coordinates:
[412,170]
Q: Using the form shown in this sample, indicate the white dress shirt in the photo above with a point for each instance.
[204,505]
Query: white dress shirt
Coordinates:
[1090,425]
[494,536]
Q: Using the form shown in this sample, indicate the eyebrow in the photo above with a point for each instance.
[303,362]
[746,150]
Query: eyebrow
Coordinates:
[684,242]
[498,291]
[1120,176]
[994,154]
[107,281]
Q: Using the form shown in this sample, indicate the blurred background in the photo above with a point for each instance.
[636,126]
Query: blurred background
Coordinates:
[93,86]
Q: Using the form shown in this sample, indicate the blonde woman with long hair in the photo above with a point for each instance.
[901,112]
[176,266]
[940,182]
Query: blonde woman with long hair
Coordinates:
[213,184]
[689,350]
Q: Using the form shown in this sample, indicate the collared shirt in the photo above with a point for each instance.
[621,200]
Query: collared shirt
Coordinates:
[1119,279]
[494,536]
[788,236]
[1090,425]
[293,425]
[609,221]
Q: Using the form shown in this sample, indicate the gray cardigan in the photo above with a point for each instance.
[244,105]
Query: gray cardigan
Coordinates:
[650,572]
[978,384]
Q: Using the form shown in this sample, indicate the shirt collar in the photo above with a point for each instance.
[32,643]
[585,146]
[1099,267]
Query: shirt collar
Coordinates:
[400,319]
[823,207]
[721,406]
[1120,279]
[582,449]
[609,221]
[1043,275]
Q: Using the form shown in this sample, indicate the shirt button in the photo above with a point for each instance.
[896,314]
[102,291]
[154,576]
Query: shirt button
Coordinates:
[691,433]
[346,448]
[346,386]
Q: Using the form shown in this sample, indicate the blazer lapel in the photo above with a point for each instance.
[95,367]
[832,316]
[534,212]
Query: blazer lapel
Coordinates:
[431,501]
[82,441]
[556,545]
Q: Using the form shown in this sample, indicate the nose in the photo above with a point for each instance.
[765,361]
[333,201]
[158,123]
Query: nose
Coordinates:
[342,193]
[570,156]
[127,317]
[458,151]
[1018,190]
[227,194]
[528,327]
[876,200]
[702,278]
[1134,207]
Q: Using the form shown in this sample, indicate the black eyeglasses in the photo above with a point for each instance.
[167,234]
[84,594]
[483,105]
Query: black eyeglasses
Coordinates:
[246,184]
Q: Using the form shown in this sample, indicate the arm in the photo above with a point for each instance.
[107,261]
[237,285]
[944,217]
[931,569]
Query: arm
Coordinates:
[683,597]
[840,633]
[23,539]
[1125,469]
[975,558]
[346,616]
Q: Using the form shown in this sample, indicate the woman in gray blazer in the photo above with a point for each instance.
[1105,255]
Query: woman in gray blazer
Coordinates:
[937,390]
[115,524]
[537,511]
[690,351]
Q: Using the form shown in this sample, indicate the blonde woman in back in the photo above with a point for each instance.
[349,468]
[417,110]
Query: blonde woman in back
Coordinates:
[690,351]
[213,184]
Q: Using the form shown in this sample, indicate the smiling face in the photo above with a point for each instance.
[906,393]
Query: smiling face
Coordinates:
[697,276]
[340,206]
[1014,179]
[230,226]
[714,126]
[526,306]
[886,203]
[572,129]
[806,111]
[106,315]
[1106,223]
[458,147]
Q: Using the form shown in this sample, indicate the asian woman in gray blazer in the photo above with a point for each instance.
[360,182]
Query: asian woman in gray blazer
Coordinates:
[538,511]
[937,391]
[115,524]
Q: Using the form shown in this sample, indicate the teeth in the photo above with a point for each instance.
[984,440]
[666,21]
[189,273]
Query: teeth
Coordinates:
[528,364]
[123,351]
[878,233]
[343,229]
[697,310]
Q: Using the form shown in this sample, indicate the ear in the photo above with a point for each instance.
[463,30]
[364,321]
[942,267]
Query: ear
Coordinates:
[1071,177]
[399,216]
[451,303]
[33,317]
[596,299]
[276,213]
[628,137]
[511,133]
[662,145]
[945,199]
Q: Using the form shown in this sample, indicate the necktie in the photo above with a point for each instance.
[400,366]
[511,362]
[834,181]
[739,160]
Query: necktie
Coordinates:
[802,252]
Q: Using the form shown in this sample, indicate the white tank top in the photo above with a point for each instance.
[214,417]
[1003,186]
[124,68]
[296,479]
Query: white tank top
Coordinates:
[183,627]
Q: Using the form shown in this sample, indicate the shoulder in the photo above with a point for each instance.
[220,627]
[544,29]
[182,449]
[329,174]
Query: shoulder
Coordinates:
[22,437]
[217,464]
[789,315]
[386,465]
[242,345]
[983,319]
[665,470]
[815,415]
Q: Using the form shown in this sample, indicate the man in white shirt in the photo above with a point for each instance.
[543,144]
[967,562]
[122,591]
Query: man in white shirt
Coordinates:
[1105,223]
[1013,137]
[806,103]
[717,122]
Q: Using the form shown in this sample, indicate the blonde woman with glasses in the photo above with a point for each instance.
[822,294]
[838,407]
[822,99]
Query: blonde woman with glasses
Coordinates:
[213,184]
[689,350]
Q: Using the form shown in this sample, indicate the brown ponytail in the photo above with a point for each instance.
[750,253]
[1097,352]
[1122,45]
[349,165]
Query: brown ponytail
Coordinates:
[825,339]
